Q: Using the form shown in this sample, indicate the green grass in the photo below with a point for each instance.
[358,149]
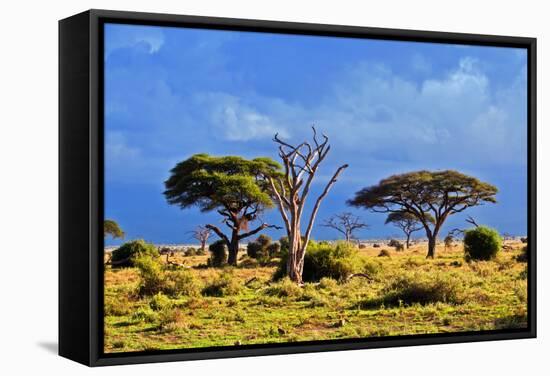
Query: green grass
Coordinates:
[407,294]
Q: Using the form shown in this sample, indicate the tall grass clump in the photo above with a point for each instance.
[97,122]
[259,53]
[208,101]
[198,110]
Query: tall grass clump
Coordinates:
[337,261]
[223,284]
[418,288]
[284,288]
[481,243]
[126,254]
[154,279]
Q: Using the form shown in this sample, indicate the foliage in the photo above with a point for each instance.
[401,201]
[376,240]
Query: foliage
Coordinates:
[274,249]
[126,253]
[218,254]
[396,244]
[481,243]
[152,279]
[284,288]
[159,301]
[262,249]
[223,284]
[460,297]
[448,240]
[407,289]
[523,256]
[384,253]
[219,182]
[439,193]
[233,186]
[408,223]
[337,261]
[112,228]
[131,250]
[181,282]
[191,251]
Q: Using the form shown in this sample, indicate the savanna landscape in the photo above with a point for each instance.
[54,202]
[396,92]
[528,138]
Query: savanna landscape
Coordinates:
[230,220]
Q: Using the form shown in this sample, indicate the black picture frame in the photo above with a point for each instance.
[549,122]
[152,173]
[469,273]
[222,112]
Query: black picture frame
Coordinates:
[81,185]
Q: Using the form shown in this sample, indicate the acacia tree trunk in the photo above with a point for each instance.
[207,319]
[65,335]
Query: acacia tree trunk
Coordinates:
[233,248]
[431,247]
[203,245]
[407,244]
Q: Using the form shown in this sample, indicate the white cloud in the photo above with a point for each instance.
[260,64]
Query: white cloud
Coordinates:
[237,121]
[123,36]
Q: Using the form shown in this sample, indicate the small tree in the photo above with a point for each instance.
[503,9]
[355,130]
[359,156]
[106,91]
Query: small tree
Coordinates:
[449,239]
[201,233]
[234,187]
[345,223]
[439,193]
[112,228]
[301,162]
[408,223]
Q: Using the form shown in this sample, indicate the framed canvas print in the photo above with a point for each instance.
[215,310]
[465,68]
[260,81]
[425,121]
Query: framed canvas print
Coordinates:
[236,187]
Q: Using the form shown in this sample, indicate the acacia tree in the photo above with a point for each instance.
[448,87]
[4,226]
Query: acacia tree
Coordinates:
[112,228]
[345,223]
[301,163]
[201,233]
[234,187]
[439,193]
[407,222]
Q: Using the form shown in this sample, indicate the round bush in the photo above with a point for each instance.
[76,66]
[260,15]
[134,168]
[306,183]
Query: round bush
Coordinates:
[218,254]
[481,243]
[337,261]
[127,253]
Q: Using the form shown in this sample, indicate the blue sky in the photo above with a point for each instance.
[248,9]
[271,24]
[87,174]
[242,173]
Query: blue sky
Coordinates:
[388,107]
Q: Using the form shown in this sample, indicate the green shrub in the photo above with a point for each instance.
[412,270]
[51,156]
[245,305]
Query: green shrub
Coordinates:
[328,283]
[284,288]
[336,261]
[523,256]
[182,283]
[259,248]
[418,288]
[145,314]
[168,318]
[191,251]
[481,243]
[128,252]
[152,279]
[396,244]
[274,249]
[116,306]
[248,263]
[284,244]
[159,302]
[224,284]
[384,253]
[218,254]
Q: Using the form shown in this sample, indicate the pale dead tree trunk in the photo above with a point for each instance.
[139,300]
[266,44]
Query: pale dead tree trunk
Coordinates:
[202,233]
[301,163]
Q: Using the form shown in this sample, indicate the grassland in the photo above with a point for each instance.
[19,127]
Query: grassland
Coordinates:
[406,294]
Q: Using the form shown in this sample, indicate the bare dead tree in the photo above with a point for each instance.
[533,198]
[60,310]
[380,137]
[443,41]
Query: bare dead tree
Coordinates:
[201,233]
[345,223]
[291,190]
